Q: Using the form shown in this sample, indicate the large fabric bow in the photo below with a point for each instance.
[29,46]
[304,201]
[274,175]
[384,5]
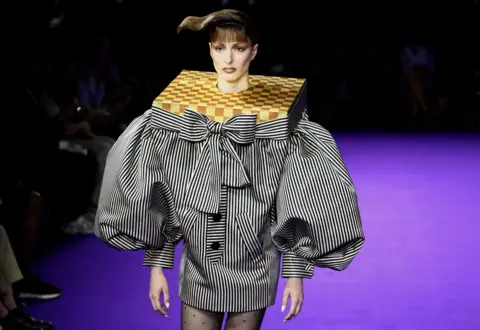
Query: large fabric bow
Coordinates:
[210,173]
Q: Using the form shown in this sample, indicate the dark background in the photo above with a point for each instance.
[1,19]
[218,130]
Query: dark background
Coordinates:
[329,43]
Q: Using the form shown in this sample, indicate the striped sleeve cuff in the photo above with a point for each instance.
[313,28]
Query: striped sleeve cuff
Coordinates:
[160,258]
[294,266]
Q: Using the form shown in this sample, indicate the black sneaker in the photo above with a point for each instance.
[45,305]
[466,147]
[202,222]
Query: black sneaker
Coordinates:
[31,287]
[18,319]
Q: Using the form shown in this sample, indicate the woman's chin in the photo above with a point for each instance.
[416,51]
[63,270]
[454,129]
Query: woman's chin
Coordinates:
[229,78]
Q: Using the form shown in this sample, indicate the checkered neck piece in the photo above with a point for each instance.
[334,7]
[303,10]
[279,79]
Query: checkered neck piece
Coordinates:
[268,97]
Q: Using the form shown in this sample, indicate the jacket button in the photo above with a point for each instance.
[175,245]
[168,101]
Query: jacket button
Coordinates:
[217,217]
[215,245]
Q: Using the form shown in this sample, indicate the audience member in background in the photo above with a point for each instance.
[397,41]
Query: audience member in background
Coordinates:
[87,154]
[418,64]
[102,98]
[11,316]
[82,149]
[102,91]
[22,215]
[24,177]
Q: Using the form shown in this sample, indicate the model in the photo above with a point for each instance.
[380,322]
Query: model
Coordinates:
[230,164]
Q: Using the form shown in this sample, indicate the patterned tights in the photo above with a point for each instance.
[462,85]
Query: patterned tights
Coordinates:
[195,319]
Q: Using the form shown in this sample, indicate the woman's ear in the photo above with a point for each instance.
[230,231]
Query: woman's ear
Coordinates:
[254,51]
[210,48]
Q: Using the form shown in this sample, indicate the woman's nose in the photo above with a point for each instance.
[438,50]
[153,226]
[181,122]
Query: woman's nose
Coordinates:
[228,57]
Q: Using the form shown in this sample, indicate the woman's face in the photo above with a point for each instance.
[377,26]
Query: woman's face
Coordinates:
[231,59]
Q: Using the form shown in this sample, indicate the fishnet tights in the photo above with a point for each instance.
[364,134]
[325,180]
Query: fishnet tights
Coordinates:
[195,319]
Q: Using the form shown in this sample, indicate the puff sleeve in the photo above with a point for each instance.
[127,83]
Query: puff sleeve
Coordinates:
[317,216]
[136,209]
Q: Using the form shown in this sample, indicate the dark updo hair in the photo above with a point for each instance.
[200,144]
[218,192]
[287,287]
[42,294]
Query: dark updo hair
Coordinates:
[223,25]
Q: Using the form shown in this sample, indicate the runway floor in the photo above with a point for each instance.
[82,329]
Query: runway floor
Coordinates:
[419,269]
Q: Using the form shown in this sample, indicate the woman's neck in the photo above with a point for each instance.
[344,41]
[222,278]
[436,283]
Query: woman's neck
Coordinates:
[233,87]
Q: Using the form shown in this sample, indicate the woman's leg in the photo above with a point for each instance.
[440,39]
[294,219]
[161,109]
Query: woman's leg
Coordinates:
[9,269]
[6,296]
[32,224]
[196,319]
[245,321]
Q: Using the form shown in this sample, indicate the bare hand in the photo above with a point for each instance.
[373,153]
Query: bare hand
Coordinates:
[294,291]
[159,287]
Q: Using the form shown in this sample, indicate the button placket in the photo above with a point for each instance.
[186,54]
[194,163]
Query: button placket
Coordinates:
[215,240]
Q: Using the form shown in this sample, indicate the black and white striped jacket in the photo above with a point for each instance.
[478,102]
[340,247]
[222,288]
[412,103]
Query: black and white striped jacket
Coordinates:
[242,196]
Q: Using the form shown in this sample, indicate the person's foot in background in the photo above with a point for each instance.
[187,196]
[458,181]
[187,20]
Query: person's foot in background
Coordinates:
[33,288]
[18,319]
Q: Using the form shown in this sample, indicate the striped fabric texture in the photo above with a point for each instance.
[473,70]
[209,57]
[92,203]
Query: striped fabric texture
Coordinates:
[240,195]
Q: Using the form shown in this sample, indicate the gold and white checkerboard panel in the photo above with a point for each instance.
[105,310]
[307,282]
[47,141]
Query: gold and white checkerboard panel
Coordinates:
[268,97]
